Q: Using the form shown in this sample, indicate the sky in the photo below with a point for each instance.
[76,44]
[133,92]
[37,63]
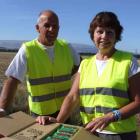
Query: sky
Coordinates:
[18,19]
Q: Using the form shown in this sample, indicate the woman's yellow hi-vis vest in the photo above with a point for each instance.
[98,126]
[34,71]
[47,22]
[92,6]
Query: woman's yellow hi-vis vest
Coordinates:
[48,82]
[108,92]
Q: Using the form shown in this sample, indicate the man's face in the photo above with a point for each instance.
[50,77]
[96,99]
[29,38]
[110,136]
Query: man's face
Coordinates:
[48,28]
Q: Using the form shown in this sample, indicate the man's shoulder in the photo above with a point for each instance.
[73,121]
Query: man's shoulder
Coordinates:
[29,43]
[61,43]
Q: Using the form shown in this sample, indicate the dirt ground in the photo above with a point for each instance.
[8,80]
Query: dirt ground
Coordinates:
[20,100]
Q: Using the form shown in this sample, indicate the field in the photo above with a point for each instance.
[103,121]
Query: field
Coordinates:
[20,100]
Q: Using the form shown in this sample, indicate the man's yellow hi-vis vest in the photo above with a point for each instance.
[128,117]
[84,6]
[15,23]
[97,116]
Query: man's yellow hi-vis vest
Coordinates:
[108,92]
[48,82]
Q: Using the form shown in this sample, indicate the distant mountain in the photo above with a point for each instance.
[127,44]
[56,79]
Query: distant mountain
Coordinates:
[11,44]
[84,49]
[14,45]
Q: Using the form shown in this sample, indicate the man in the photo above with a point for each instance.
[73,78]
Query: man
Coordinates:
[47,63]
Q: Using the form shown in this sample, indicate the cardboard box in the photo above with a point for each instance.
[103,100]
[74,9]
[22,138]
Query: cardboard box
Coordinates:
[20,126]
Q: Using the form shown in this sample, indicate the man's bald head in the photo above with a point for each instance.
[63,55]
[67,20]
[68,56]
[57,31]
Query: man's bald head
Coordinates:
[46,14]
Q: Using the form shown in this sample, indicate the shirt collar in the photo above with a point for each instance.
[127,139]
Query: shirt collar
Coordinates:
[43,46]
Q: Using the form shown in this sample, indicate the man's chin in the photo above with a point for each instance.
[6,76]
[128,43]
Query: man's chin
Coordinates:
[50,41]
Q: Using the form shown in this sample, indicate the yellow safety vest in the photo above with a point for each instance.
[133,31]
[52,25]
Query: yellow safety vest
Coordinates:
[48,82]
[108,92]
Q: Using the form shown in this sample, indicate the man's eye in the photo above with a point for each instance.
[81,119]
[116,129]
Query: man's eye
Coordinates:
[47,26]
[50,26]
[54,26]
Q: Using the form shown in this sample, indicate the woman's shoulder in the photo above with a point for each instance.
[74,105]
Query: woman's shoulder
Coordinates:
[124,54]
[88,60]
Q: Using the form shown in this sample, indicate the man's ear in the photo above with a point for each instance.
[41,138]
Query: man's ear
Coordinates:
[37,28]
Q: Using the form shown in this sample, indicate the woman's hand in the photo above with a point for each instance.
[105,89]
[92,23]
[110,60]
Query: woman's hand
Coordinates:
[42,120]
[100,123]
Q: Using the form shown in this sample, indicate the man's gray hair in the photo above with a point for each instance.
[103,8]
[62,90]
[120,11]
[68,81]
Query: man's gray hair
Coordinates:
[41,15]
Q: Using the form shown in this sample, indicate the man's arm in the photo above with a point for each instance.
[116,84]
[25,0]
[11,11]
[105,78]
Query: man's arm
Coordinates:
[76,59]
[76,67]
[17,69]
[7,93]
[74,70]
[70,101]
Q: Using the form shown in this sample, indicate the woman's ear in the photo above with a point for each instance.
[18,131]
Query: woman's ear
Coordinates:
[37,28]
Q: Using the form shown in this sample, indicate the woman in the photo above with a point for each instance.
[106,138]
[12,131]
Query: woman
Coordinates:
[102,84]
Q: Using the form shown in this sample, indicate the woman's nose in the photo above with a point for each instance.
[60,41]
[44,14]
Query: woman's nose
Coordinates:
[105,34]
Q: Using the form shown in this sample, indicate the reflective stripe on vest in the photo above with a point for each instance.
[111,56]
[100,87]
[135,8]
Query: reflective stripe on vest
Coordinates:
[99,109]
[49,96]
[104,91]
[47,81]
[100,95]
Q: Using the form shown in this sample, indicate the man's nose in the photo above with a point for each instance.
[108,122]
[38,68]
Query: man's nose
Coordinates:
[50,28]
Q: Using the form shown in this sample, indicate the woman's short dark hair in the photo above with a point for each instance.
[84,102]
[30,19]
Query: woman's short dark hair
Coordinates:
[106,19]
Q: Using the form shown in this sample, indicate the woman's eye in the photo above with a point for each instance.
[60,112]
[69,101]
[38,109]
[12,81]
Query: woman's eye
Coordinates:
[100,32]
[110,33]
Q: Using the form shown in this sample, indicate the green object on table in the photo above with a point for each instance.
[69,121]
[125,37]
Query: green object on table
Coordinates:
[67,129]
[62,133]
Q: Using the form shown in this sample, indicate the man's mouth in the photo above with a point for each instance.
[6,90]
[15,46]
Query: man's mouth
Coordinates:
[51,36]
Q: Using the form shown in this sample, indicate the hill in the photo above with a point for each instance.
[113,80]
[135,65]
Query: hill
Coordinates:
[14,45]
[82,49]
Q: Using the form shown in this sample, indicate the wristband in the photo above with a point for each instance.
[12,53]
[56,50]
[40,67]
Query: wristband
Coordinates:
[117,115]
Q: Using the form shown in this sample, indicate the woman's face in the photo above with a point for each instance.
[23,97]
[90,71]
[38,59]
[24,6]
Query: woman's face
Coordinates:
[104,38]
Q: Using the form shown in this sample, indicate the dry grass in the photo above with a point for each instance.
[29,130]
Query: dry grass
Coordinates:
[20,100]
[5,59]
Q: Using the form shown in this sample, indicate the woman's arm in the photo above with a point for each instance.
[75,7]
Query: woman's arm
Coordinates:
[70,101]
[134,94]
